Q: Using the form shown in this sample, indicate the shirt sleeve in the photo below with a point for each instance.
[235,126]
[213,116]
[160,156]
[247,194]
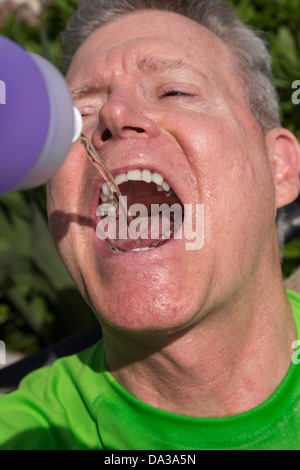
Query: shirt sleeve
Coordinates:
[53,407]
[33,418]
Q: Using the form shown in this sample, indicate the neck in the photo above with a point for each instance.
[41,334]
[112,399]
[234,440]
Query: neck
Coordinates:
[231,361]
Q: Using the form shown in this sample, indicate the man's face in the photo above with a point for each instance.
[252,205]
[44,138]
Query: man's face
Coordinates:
[158,92]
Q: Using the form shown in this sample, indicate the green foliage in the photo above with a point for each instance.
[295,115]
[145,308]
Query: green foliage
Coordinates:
[291,255]
[278,22]
[38,301]
[44,37]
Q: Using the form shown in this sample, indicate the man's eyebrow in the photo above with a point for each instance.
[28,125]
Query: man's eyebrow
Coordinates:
[145,65]
[157,64]
[85,90]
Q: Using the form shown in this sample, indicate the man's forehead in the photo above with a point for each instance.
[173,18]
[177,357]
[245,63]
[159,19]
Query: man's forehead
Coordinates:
[147,23]
[156,31]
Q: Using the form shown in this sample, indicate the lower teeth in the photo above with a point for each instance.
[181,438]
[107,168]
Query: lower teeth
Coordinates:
[146,248]
[115,250]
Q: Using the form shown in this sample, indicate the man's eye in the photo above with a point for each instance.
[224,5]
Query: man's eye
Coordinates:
[86,111]
[175,93]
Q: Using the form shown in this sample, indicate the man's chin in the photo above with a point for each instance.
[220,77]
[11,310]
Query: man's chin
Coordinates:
[153,290]
[149,295]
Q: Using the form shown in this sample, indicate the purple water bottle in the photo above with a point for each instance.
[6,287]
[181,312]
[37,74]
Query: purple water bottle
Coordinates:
[38,122]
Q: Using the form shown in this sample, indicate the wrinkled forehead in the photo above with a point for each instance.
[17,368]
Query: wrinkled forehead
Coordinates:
[170,35]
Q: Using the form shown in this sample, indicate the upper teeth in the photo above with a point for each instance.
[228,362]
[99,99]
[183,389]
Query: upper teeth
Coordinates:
[147,176]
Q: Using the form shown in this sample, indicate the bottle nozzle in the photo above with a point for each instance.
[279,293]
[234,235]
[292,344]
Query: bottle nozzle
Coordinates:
[77,124]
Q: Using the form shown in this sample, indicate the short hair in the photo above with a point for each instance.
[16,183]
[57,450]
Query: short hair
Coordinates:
[248,49]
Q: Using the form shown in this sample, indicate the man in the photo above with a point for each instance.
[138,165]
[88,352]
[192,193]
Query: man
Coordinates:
[198,344]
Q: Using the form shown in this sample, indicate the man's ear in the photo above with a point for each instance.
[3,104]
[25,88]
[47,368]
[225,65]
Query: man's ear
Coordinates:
[284,153]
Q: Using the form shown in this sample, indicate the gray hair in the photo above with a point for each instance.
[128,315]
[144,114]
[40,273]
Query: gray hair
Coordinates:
[247,47]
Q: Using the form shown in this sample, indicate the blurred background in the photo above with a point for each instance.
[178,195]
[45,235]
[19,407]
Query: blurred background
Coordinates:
[39,304]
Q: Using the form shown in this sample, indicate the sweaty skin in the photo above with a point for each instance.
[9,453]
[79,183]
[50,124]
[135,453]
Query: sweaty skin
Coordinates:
[208,332]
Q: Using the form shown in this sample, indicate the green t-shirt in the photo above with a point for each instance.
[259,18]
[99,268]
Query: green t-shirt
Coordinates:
[77,404]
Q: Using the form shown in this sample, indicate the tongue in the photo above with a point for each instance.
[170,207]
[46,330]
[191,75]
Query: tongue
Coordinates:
[147,232]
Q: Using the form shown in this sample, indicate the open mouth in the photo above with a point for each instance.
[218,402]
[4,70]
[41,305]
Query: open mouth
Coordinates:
[146,217]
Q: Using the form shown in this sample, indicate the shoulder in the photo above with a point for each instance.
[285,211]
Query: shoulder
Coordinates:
[52,401]
[68,375]
[65,370]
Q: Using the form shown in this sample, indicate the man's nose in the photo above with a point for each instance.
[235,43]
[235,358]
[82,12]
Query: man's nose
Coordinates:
[122,117]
